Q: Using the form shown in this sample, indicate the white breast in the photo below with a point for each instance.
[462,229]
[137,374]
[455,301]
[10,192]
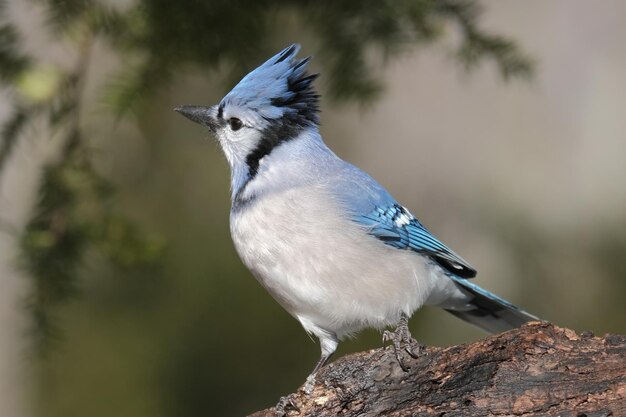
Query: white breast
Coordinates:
[324,268]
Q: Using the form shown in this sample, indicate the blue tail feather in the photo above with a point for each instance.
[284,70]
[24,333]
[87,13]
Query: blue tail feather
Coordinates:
[488,311]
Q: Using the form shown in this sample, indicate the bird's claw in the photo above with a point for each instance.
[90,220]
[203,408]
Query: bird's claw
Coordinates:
[389,336]
[286,404]
[402,340]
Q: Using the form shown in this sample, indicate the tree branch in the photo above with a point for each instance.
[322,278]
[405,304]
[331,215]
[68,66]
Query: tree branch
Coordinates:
[536,370]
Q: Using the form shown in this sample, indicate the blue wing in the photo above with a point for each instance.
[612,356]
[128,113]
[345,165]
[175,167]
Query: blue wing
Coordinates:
[370,205]
[395,226]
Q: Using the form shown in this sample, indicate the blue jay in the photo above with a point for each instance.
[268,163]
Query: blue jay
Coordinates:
[331,245]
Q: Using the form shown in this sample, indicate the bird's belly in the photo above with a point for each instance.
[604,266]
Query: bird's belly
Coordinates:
[324,268]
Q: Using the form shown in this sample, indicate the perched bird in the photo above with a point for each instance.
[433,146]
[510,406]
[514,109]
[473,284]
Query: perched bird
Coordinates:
[331,245]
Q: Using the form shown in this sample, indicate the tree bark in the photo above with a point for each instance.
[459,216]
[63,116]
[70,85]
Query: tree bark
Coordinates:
[536,370]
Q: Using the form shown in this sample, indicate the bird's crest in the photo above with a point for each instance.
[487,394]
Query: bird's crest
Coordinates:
[280,87]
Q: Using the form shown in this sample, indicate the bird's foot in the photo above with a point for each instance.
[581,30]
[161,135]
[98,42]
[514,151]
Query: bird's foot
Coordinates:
[285,405]
[402,340]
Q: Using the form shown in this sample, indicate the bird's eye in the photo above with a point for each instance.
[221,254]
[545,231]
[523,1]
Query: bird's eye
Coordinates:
[235,124]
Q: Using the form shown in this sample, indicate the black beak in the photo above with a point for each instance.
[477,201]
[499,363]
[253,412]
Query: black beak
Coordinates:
[200,114]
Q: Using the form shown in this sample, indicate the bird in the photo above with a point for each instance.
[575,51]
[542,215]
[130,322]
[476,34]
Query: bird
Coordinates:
[327,241]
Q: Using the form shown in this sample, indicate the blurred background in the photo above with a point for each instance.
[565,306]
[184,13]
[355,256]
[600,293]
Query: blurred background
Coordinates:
[500,124]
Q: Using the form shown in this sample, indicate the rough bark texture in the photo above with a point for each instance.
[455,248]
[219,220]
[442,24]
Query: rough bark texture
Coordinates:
[537,370]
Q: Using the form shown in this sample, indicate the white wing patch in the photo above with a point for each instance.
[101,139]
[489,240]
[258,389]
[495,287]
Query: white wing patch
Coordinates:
[403,219]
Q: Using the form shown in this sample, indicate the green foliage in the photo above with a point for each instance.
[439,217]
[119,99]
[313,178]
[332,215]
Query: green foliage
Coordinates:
[12,61]
[72,215]
[169,37]
[10,131]
[161,38]
[476,45]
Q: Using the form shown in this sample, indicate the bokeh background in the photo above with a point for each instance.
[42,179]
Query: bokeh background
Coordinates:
[500,124]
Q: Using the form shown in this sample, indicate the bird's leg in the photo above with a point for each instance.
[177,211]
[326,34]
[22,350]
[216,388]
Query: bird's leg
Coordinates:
[323,360]
[328,344]
[310,380]
[402,340]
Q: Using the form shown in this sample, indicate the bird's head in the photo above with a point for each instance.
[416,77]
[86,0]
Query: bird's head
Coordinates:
[269,106]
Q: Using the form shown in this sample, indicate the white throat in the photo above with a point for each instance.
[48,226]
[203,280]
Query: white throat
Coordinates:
[286,164]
